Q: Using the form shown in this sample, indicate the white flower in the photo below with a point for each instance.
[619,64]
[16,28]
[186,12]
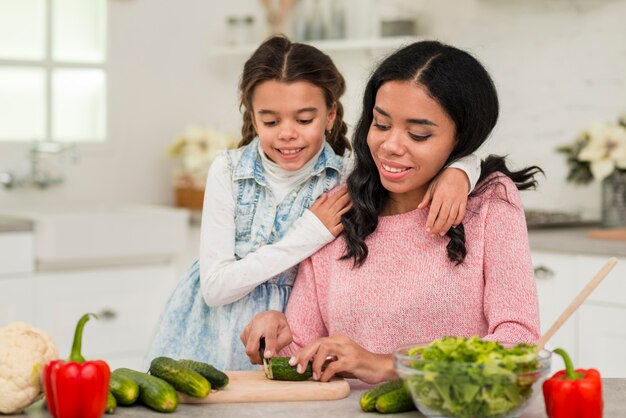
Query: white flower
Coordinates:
[605,149]
[197,147]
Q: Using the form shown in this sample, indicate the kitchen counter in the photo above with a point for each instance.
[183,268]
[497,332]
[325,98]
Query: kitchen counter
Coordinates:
[562,240]
[11,224]
[614,406]
[574,240]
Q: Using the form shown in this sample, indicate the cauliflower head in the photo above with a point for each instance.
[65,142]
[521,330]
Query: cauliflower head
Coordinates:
[24,351]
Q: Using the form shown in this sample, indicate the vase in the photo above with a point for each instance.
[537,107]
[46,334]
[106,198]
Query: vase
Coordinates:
[189,197]
[614,199]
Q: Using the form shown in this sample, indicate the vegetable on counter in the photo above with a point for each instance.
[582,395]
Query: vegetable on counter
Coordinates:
[278,368]
[24,351]
[155,393]
[77,388]
[470,377]
[216,378]
[124,389]
[396,401]
[386,398]
[111,404]
[573,393]
[182,378]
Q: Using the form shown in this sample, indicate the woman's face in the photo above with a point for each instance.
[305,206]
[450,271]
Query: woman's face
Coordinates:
[290,119]
[410,139]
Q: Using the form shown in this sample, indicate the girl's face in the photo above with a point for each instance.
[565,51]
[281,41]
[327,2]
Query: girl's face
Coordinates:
[290,119]
[410,139]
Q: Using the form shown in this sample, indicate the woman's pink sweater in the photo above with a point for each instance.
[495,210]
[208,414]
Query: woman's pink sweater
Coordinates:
[407,291]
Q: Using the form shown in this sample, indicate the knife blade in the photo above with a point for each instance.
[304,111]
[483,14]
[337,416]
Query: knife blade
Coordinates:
[266,363]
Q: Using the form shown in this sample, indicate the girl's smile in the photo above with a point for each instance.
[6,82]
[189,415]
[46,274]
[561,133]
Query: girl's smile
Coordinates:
[290,120]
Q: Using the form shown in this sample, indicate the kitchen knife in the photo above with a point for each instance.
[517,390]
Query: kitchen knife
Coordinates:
[266,366]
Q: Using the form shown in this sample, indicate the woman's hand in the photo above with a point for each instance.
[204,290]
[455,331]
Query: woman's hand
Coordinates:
[346,357]
[447,196]
[330,206]
[271,325]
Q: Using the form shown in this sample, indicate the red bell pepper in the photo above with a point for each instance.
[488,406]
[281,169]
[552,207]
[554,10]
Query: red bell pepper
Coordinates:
[76,388]
[573,393]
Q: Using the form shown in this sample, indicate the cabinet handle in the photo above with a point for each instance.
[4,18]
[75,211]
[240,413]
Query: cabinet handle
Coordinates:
[107,314]
[543,273]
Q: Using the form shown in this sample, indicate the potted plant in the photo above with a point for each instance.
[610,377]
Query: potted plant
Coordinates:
[193,151]
[599,153]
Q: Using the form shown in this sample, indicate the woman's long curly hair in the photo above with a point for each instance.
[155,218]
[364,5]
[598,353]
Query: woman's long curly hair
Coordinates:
[464,89]
[280,59]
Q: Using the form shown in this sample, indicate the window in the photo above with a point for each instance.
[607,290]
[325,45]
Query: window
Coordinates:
[53,70]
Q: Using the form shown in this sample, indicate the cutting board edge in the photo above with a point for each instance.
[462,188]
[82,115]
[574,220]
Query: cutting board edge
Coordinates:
[340,393]
[336,389]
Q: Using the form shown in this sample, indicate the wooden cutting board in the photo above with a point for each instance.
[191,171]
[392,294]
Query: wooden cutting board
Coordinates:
[618,234]
[253,386]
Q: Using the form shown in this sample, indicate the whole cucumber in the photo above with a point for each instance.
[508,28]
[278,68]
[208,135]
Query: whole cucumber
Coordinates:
[369,398]
[216,378]
[153,392]
[111,404]
[398,400]
[124,389]
[183,379]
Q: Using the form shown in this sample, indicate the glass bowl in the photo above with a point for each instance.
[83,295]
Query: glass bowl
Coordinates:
[488,389]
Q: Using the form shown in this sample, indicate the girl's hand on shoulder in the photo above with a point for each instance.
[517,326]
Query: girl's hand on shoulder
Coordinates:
[330,206]
[271,325]
[447,196]
[339,355]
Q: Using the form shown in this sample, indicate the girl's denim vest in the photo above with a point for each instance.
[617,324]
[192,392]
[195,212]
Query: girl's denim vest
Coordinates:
[188,327]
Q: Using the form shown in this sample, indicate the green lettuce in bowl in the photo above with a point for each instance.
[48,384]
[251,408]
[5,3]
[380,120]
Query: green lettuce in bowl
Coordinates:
[470,377]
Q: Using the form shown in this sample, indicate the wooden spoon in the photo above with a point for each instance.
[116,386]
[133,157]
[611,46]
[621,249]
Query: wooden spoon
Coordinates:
[577,301]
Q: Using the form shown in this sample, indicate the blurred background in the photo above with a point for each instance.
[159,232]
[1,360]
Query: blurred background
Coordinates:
[112,110]
[121,79]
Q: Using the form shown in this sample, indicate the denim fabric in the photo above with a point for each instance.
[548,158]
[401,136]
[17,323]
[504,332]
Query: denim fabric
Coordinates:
[189,328]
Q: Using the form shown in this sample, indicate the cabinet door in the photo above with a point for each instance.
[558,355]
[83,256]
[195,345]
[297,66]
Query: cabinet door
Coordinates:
[16,300]
[612,290]
[16,253]
[555,276]
[128,302]
[602,318]
[602,339]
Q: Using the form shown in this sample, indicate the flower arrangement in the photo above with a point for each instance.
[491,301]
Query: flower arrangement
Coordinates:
[597,152]
[194,150]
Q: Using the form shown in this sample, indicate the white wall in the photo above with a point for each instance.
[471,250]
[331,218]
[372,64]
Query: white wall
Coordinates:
[558,64]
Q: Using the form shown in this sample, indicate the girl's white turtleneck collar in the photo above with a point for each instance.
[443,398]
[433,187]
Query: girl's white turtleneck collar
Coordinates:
[281,181]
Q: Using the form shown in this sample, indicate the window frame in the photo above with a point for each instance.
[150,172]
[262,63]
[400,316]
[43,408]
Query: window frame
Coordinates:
[49,65]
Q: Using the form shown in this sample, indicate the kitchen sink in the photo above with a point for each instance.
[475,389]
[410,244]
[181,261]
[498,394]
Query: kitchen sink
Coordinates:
[82,235]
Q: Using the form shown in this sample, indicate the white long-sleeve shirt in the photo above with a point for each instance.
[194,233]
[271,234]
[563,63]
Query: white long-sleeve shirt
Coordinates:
[224,279]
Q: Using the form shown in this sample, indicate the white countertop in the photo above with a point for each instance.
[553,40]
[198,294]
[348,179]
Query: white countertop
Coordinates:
[574,241]
[11,224]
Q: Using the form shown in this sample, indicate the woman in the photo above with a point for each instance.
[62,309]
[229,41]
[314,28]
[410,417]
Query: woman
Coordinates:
[384,284]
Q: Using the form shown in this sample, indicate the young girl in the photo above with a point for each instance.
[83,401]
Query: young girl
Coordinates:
[386,284]
[262,215]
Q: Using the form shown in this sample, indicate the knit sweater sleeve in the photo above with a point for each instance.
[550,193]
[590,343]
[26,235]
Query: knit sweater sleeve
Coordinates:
[510,298]
[226,279]
[304,311]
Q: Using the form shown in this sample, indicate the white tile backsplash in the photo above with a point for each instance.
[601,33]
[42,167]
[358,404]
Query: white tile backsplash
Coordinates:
[557,64]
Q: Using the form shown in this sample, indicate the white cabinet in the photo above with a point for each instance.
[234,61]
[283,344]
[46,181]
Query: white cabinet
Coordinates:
[595,335]
[16,253]
[128,302]
[16,300]
[602,326]
[555,276]
[602,339]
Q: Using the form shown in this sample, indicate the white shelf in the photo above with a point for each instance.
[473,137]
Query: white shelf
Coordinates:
[327,46]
